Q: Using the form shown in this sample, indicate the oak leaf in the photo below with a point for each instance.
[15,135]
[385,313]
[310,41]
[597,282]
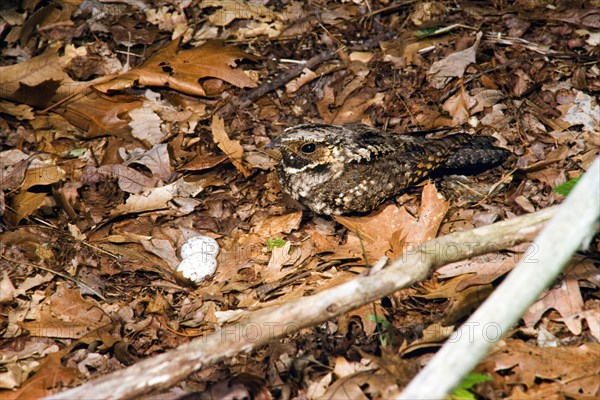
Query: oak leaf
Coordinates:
[181,70]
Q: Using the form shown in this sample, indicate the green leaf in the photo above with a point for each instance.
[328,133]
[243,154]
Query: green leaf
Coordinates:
[565,188]
[379,320]
[272,243]
[473,379]
[78,152]
[462,394]
[422,33]
[463,391]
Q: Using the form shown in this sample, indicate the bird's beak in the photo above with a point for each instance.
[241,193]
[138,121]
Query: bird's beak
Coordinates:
[275,143]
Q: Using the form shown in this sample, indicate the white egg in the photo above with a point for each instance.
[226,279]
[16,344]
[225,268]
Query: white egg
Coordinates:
[197,267]
[199,244]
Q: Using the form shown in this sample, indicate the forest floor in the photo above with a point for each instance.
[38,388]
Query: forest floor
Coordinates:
[128,127]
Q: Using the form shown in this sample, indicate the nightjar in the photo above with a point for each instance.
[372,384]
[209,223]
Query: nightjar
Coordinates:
[347,169]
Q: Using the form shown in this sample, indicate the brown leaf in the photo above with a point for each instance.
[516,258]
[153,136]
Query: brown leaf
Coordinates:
[23,205]
[484,269]
[20,111]
[98,115]
[433,336]
[454,65]
[366,314]
[181,70]
[280,256]
[589,17]
[394,228]
[458,107]
[160,198]
[431,213]
[294,85]
[486,98]
[129,179]
[354,107]
[42,176]
[237,9]
[157,160]
[566,299]
[13,168]
[50,374]
[7,290]
[592,316]
[200,163]
[66,314]
[272,226]
[39,80]
[232,148]
[574,369]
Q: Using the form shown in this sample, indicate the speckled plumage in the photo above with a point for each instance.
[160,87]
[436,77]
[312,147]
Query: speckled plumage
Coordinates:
[337,170]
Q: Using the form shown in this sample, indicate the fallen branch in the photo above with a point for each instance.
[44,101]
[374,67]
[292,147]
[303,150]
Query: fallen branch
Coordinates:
[165,370]
[555,246]
[249,97]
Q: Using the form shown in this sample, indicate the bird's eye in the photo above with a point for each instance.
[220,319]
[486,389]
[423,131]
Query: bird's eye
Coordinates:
[308,148]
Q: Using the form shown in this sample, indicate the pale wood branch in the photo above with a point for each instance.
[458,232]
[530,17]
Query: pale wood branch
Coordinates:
[554,247]
[165,370]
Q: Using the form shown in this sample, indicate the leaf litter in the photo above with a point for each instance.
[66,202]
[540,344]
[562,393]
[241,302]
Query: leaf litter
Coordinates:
[126,129]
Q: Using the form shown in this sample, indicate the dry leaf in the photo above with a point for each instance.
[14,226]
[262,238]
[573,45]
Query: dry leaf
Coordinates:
[7,290]
[146,125]
[574,369]
[454,65]
[566,299]
[40,80]
[200,163]
[157,160]
[354,107]
[394,228]
[270,227]
[592,316]
[46,175]
[232,148]
[23,205]
[486,98]
[129,179]
[484,269]
[65,314]
[584,110]
[19,111]
[237,9]
[98,115]
[160,198]
[51,373]
[458,107]
[295,84]
[181,70]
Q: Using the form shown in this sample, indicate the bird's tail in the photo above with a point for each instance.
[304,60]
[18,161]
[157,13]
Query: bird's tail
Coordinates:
[476,154]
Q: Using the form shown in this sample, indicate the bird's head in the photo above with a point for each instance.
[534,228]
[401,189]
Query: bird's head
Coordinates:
[309,146]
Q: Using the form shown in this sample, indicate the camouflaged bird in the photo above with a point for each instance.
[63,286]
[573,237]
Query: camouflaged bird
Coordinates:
[347,169]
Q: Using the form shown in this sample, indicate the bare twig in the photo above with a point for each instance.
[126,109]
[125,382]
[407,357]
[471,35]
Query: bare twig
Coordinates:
[554,247]
[165,370]
[252,95]
[64,276]
[249,97]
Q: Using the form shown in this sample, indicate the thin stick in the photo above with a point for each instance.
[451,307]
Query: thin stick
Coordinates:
[252,95]
[553,249]
[165,370]
[65,276]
